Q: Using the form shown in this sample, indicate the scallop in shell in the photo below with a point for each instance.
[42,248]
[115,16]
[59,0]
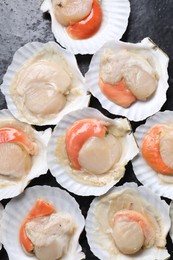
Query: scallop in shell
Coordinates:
[87,152]
[43,83]
[22,154]
[112,25]
[129,222]
[18,209]
[124,68]
[159,183]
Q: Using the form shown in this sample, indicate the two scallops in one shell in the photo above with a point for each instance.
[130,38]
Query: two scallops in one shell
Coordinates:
[129,79]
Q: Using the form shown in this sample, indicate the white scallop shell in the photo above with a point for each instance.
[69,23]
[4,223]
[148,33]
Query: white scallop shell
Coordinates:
[27,52]
[171,216]
[1,214]
[139,110]
[39,166]
[145,174]
[62,173]
[17,210]
[145,254]
[114,24]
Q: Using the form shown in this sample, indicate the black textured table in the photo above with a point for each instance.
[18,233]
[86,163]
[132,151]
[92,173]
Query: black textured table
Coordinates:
[21,21]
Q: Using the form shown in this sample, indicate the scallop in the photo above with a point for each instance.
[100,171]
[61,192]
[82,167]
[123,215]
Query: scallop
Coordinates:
[129,79]
[19,165]
[87,152]
[100,150]
[166,146]
[59,229]
[139,76]
[51,235]
[44,95]
[123,229]
[55,101]
[22,154]
[156,148]
[128,211]
[84,26]
[153,165]
[43,83]
[67,11]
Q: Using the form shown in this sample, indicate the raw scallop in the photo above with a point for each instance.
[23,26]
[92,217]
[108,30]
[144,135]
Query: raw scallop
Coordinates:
[153,63]
[77,161]
[43,83]
[128,222]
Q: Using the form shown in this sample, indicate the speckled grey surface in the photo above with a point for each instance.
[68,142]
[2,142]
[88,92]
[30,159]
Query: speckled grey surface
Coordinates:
[21,21]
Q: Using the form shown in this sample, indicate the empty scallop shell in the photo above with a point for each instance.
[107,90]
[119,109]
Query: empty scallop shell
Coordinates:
[1,213]
[114,24]
[77,97]
[97,239]
[140,109]
[12,188]
[72,179]
[19,207]
[158,183]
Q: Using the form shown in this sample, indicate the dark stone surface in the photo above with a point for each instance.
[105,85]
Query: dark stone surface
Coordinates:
[21,21]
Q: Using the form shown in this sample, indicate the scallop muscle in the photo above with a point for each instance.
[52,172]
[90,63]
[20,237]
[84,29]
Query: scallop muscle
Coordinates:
[44,100]
[14,160]
[122,231]
[140,77]
[51,235]
[67,11]
[140,82]
[166,147]
[44,85]
[98,155]
[111,66]
[42,73]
